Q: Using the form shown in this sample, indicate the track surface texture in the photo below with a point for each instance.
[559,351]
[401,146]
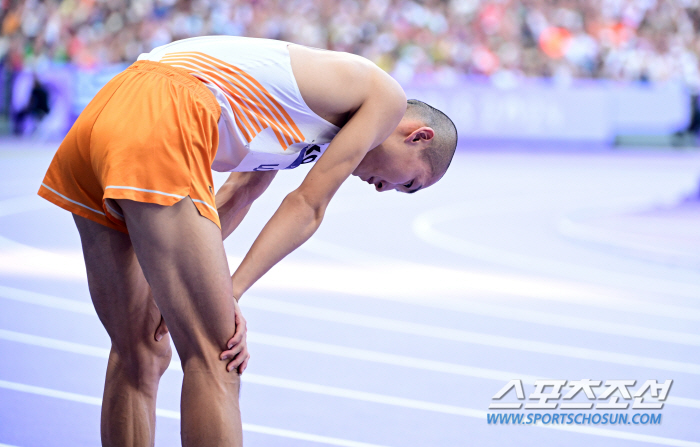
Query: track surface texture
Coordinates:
[402,317]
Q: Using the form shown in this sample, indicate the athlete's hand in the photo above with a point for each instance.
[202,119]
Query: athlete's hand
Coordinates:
[238,345]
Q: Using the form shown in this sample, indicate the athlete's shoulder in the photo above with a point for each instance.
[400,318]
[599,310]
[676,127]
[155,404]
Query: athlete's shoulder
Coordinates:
[379,84]
[347,75]
[388,89]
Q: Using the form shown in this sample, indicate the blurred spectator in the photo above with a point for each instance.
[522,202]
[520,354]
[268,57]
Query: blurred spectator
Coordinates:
[36,109]
[649,40]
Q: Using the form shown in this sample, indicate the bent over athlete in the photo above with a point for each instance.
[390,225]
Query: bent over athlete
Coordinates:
[135,171]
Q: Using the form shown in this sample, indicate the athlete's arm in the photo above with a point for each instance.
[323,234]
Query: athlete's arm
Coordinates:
[233,200]
[301,212]
[237,194]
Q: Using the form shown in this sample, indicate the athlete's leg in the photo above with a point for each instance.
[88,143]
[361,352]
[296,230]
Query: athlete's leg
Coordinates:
[183,258]
[124,304]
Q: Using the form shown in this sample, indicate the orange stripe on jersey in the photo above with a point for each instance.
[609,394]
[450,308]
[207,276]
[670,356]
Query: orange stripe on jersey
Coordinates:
[221,81]
[245,127]
[258,119]
[248,128]
[244,94]
[213,77]
[256,104]
[256,88]
[284,134]
[225,66]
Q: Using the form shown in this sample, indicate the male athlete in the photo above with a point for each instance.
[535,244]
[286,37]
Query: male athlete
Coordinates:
[139,158]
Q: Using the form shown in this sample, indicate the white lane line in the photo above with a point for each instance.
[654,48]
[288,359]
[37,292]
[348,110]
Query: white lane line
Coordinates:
[348,255]
[304,436]
[479,414]
[449,287]
[41,299]
[496,311]
[7,445]
[424,226]
[437,366]
[360,395]
[575,227]
[95,351]
[401,281]
[52,343]
[81,398]
[478,338]
[48,392]
[257,379]
[410,328]
[372,356]
[415,329]
[577,323]
[389,284]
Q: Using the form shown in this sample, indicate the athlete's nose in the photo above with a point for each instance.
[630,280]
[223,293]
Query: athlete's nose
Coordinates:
[383,186]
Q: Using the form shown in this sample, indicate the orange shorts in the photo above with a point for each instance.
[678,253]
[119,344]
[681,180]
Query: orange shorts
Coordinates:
[150,135]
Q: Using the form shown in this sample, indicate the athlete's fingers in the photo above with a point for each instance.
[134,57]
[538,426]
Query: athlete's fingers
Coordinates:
[237,346]
[238,360]
[241,327]
[238,336]
[161,330]
[231,353]
[244,365]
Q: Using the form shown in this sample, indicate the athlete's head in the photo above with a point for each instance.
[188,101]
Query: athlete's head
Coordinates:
[416,155]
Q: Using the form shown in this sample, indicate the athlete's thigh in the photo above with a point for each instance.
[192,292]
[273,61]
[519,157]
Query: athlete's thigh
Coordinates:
[118,287]
[183,258]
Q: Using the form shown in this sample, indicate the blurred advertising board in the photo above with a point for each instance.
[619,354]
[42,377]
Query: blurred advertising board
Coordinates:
[531,109]
[541,110]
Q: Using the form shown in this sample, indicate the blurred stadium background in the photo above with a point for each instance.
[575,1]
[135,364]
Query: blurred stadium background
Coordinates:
[563,243]
[598,70]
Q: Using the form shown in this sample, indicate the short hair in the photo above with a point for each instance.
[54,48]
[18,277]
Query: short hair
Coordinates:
[439,154]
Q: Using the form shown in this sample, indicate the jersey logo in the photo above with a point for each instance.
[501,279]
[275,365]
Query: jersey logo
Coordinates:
[268,167]
[305,157]
[254,107]
[309,155]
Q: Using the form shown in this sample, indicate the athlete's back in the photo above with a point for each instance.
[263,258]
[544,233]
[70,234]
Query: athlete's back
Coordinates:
[281,103]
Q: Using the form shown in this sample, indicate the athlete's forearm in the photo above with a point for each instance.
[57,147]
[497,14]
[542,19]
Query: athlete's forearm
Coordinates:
[231,204]
[237,194]
[231,217]
[292,224]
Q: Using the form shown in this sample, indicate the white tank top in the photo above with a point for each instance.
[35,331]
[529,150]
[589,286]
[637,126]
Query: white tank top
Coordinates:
[265,123]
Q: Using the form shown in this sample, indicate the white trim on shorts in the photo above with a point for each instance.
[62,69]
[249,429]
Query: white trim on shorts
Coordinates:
[202,201]
[71,200]
[160,192]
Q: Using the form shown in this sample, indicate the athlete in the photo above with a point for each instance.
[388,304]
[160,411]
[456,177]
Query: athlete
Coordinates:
[135,171]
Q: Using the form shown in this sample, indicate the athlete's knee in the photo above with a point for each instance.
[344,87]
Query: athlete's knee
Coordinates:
[162,354]
[142,361]
[201,352]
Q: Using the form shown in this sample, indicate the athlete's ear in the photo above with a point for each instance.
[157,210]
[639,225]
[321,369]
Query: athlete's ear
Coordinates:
[422,133]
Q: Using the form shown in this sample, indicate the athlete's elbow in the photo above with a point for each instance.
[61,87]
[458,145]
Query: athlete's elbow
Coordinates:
[310,207]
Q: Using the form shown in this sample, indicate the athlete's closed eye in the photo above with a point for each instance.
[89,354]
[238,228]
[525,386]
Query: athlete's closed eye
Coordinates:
[408,185]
